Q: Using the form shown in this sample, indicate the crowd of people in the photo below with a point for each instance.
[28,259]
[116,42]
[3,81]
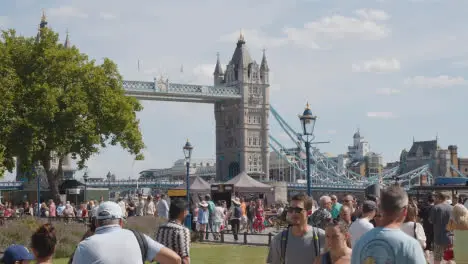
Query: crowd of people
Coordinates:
[389,229]
[157,206]
[214,216]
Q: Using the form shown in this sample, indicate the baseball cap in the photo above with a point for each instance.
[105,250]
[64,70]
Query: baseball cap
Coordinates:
[369,206]
[15,253]
[109,210]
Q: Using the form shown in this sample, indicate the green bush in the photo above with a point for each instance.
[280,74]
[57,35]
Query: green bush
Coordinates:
[69,234]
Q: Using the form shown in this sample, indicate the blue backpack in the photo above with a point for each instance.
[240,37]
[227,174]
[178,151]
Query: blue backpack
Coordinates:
[237,212]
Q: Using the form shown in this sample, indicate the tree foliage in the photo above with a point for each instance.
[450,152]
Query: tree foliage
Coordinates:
[60,102]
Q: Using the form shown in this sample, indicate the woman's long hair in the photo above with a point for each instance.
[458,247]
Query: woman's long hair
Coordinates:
[460,215]
[412,213]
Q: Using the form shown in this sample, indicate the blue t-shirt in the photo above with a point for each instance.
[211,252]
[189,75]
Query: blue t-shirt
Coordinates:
[387,246]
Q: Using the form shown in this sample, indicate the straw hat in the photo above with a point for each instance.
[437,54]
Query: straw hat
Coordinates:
[236,201]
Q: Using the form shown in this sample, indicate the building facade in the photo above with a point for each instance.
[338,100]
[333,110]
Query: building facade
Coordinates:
[426,153]
[359,149]
[242,125]
[360,159]
[204,168]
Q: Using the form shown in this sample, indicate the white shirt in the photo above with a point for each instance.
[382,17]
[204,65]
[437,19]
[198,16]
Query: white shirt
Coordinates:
[150,208]
[111,245]
[218,214]
[359,228]
[409,229]
[163,209]
[123,207]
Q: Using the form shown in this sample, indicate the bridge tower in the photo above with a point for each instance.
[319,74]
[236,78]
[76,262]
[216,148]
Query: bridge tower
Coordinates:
[242,125]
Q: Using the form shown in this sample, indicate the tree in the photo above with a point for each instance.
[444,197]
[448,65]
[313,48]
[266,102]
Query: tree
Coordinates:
[64,103]
[8,80]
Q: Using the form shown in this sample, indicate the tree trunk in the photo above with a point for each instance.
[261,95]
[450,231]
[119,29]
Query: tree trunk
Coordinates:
[53,178]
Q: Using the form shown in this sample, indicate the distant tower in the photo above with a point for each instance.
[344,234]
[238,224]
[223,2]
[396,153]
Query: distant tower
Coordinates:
[218,72]
[357,138]
[453,149]
[67,44]
[264,70]
[42,25]
[242,125]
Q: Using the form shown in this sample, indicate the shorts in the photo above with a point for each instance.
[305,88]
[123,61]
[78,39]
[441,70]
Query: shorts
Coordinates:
[439,252]
[201,227]
[216,227]
[244,219]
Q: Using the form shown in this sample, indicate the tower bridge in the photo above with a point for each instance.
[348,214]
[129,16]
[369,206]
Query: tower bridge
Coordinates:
[241,98]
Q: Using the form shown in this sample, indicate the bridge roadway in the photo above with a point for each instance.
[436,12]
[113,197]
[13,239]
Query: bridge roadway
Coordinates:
[16,185]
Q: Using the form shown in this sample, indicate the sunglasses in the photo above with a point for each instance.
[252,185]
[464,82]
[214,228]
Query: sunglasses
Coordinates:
[347,201]
[296,210]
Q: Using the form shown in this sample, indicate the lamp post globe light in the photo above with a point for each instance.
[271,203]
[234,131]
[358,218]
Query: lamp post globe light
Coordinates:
[188,155]
[85,178]
[308,124]
[109,175]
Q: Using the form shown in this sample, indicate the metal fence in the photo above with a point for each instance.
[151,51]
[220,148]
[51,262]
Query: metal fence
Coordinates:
[244,238]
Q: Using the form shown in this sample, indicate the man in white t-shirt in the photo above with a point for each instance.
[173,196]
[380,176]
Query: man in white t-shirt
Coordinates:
[363,224]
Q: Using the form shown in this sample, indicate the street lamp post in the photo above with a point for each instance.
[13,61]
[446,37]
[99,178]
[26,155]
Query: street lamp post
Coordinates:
[85,178]
[38,178]
[188,155]
[308,124]
[109,175]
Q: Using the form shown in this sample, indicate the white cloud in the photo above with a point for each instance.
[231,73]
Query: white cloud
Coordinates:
[255,39]
[66,11]
[381,115]
[435,82]
[3,21]
[332,132]
[379,65]
[364,26]
[372,14]
[387,91]
[367,25]
[107,16]
[460,64]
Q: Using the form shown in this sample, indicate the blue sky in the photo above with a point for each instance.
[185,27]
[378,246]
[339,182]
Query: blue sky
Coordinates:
[395,69]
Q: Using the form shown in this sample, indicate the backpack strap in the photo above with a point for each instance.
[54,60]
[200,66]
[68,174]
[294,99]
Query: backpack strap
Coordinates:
[284,244]
[326,258]
[142,243]
[414,231]
[316,242]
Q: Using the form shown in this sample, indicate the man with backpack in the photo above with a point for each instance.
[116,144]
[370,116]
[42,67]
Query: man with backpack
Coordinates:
[300,243]
[112,244]
[236,216]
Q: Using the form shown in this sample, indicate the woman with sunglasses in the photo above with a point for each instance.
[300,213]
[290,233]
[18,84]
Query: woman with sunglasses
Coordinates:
[338,245]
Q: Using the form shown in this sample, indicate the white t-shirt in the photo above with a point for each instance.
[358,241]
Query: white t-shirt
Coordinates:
[219,214]
[359,228]
[112,244]
[409,229]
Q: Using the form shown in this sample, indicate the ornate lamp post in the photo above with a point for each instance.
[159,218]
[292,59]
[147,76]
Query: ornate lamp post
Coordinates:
[188,155]
[308,124]
[85,178]
[108,176]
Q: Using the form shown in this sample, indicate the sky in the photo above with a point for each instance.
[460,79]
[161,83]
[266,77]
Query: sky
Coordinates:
[394,69]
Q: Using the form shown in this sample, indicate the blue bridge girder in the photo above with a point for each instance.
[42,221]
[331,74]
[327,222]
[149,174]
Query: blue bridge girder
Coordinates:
[163,90]
[11,186]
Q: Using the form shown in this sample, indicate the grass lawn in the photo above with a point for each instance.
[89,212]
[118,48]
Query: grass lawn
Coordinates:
[225,254]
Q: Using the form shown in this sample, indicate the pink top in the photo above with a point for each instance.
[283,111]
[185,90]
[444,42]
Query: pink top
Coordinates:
[52,211]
